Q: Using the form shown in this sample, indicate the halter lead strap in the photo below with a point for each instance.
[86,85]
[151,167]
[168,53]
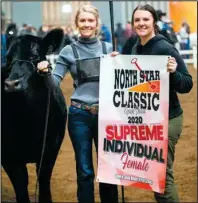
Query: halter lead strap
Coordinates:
[19,60]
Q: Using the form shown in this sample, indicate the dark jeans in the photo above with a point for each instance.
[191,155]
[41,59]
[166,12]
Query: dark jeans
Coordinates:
[83,129]
[171,193]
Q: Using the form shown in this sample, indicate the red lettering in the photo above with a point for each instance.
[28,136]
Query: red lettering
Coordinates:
[118,136]
[154,133]
[145,165]
[109,132]
[137,165]
[136,132]
[150,133]
[160,132]
[142,132]
[124,159]
[126,131]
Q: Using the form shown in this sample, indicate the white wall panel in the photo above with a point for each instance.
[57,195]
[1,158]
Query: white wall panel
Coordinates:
[131,5]
[7,9]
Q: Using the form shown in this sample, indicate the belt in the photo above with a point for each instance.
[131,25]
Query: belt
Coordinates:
[92,108]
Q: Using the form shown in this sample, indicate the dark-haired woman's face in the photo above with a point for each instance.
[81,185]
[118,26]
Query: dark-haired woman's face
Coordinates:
[143,23]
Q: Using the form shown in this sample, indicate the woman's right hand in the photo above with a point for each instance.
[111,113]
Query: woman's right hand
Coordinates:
[43,66]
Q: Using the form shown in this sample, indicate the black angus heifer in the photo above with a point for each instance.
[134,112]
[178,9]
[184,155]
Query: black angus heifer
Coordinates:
[24,107]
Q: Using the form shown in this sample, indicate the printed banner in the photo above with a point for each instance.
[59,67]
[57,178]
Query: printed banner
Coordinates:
[133,121]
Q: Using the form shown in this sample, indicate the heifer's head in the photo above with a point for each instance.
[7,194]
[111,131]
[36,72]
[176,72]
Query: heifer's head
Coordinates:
[23,56]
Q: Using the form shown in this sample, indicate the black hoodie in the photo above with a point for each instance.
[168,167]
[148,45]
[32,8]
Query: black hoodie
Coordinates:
[180,80]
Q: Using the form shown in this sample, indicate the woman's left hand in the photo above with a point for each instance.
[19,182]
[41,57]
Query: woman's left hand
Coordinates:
[171,65]
[114,53]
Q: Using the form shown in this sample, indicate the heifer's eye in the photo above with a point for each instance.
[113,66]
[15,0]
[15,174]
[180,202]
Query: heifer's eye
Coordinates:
[9,60]
[34,52]
[33,57]
[34,49]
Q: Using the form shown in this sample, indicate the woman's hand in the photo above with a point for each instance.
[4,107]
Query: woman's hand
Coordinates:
[43,66]
[171,65]
[114,53]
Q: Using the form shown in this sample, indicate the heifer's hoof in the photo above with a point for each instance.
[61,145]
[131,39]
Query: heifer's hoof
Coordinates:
[45,200]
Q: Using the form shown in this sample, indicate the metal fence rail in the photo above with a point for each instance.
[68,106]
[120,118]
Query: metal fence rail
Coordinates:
[193,56]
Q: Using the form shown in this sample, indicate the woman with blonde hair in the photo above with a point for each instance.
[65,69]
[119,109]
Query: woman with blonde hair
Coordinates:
[82,60]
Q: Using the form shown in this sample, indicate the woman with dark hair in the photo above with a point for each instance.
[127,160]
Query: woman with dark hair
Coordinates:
[150,42]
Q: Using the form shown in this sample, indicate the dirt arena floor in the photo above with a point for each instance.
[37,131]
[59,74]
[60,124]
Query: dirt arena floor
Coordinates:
[63,183]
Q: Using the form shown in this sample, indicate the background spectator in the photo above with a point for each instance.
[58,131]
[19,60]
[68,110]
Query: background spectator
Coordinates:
[40,32]
[187,30]
[165,29]
[105,34]
[184,38]
[69,36]
[119,37]
[171,32]
[3,40]
[128,32]
[24,30]
[11,33]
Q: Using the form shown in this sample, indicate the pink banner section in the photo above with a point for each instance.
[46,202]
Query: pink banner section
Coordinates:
[133,121]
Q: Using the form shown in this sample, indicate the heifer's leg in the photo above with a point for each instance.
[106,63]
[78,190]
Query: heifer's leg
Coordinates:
[45,173]
[19,178]
[44,182]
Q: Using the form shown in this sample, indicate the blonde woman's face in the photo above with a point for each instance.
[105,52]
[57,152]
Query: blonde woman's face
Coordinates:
[87,25]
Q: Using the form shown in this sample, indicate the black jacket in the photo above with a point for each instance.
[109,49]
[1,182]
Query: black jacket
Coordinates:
[180,80]
[129,44]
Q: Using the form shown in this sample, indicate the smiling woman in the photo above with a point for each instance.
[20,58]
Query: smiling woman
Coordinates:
[150,42]
[87,21]
[87,24]
[82,60]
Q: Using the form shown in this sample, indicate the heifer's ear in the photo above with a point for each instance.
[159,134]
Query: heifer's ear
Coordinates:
[12,50]
[52,40]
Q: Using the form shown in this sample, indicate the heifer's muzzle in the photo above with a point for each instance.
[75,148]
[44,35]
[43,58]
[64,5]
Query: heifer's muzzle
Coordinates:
[12,85]
[15,85]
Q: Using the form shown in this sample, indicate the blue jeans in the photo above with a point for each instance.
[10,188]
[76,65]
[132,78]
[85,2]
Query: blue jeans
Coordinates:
[83,129]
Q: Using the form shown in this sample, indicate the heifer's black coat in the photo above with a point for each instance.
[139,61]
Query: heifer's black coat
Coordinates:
[24,106]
